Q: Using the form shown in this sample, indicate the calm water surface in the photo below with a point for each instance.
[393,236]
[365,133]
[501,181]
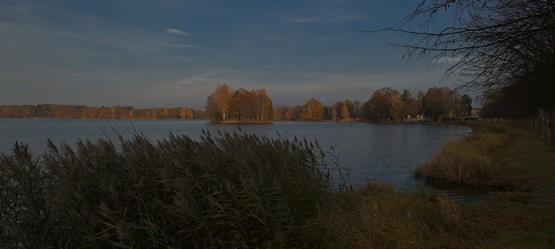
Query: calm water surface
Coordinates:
[373,153]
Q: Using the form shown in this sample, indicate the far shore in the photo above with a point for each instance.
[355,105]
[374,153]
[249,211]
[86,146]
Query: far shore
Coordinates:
[242,122]
[254,122]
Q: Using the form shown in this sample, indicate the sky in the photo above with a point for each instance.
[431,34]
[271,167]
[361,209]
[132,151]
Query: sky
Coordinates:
[149,53]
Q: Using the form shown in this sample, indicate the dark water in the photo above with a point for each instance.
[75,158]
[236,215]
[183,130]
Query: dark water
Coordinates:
[373,153]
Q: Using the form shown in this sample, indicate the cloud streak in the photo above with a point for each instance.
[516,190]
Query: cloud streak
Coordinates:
[178,32]
[311,19]
[327,19]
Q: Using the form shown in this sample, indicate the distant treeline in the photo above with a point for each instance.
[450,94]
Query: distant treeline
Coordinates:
[87,112]
[228,105]
[385,104]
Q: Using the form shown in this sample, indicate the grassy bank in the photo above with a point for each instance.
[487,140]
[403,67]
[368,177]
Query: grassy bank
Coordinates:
[494,157]
[518,167]
[245,191]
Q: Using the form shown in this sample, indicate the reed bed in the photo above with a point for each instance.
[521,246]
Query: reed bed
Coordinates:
[220,191]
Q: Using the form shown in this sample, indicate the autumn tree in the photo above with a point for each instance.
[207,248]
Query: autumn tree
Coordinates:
[293,113]
[439,103]
[411,105]
[345,113]
[344,108]
[385,104]
[356,108]
[225,104]
[313,110]
[278,113]
[218,102]
[263,105]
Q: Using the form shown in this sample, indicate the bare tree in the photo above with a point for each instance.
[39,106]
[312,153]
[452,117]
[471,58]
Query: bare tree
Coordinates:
[494,43]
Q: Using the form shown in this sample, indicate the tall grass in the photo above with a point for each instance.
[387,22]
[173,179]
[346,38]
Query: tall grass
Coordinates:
[220,191]
[469,160]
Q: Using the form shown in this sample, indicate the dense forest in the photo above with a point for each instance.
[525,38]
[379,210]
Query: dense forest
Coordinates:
[87,112]
[386,104]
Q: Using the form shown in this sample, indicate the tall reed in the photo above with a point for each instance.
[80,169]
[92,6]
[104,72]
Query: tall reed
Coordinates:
[220,191]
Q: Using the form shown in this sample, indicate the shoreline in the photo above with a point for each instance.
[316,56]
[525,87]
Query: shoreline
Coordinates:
[234,122]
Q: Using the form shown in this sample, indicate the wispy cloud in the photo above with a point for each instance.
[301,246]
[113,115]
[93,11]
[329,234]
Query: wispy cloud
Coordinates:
[175,31]
[327,18]
[351,17]
[311,19]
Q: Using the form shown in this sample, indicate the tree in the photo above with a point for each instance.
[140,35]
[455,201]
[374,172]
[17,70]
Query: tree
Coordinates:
[411,108]
[345,113]
[333,114]
[344,108]
[385,104]
[357,111]
[507,102]
[465,105]
[293,113]
[439,103]
[498,43]
[313,110]
[263,105]
[218,102]
[225,104]
[406,95]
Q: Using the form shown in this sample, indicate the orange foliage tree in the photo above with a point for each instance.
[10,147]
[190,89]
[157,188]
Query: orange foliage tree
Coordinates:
[313,110]
[385,104]
[225,104]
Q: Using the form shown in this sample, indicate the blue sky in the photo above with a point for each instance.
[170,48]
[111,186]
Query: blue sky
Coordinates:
[174,52]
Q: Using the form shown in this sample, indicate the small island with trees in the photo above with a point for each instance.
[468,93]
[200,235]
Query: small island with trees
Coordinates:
[227,106]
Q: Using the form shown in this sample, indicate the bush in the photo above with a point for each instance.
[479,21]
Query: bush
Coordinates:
[468,161]
[221,191]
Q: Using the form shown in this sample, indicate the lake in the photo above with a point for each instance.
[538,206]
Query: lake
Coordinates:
[372,152]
